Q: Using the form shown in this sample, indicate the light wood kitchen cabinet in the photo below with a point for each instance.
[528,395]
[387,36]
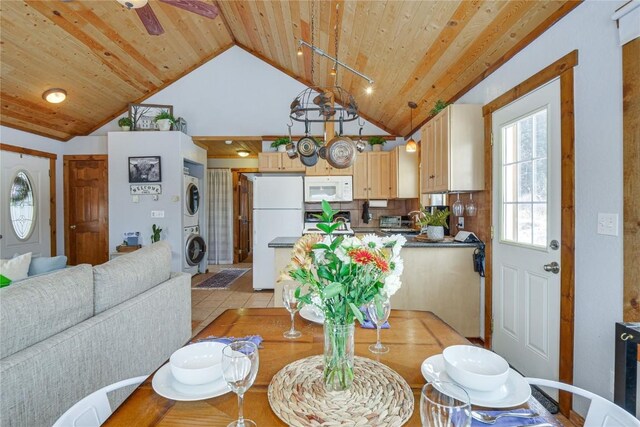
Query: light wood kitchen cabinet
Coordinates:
[404,174]
[372,176]
[278,162]
[323,168]
[452,150]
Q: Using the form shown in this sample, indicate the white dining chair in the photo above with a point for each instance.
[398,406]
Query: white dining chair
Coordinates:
[94,409]
[601,413]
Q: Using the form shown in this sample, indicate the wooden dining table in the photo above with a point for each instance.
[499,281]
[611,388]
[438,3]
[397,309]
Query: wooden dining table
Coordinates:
[412,337]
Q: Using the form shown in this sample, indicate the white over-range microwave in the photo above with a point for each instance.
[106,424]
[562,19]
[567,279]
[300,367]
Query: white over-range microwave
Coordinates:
[329,188]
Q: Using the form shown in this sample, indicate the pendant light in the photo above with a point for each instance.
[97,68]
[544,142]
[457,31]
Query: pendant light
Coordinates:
[411,146]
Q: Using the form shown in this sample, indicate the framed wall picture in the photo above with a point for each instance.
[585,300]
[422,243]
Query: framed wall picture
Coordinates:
[145,169]
[142,115]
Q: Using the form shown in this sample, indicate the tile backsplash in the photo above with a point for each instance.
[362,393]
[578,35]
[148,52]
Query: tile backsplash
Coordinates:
[394,207]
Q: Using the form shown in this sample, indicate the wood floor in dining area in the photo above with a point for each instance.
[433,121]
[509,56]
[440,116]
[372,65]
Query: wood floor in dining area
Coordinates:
[207,304]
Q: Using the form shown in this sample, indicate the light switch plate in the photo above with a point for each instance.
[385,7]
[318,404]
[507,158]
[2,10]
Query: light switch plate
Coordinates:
[157,214]
[608,224]
[135,199]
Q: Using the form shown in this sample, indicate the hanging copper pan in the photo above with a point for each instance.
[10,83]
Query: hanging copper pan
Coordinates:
[341,152]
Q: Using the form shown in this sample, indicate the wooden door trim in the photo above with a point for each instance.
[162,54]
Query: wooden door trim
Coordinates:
[631,191]
[65,180]
[235,176]
[53,218]
[562,68]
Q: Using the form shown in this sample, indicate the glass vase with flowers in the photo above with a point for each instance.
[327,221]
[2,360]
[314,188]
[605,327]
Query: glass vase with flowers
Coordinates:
[339,274]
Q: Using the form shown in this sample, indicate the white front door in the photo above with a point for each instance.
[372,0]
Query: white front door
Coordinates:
[24,218]
[526,221]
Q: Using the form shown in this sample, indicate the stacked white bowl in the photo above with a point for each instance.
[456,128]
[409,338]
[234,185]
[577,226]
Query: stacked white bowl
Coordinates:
[196,364]
[475,367]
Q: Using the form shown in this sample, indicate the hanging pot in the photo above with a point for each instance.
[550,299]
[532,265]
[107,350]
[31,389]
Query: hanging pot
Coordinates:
[307,146]
[322,152]
[291,150]
[341,152]
[309,161]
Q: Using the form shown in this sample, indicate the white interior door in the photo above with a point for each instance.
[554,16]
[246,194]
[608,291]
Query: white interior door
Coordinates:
[24,217]
[526,220]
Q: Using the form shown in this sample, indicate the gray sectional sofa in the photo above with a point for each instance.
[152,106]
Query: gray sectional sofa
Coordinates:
[66,334]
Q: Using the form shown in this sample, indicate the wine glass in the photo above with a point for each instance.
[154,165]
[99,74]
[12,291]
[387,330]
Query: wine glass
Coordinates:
[240,362]
[291,303]
[471,207]
[444,404]
[458,207]
[379,313]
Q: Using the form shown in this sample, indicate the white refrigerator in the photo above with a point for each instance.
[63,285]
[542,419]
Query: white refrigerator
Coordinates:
[277,212]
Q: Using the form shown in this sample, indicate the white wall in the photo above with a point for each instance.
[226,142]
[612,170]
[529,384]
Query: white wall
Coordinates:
[127,215]
[598,168]
[236,94]
[35,142]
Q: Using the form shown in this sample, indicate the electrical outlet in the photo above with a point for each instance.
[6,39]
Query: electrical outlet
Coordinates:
[461,222]
[157,214]
[608,224]
[135,199]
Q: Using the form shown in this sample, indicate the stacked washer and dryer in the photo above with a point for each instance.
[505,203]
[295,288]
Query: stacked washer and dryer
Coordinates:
[194,245]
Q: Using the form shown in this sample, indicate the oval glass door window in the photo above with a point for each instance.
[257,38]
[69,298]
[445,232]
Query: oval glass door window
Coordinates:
[193,199]
[22,206]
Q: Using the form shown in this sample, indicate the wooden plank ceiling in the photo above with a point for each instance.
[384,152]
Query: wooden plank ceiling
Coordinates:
[217,147]
[101,54]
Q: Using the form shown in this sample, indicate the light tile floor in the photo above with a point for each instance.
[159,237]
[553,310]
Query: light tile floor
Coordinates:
[207,304]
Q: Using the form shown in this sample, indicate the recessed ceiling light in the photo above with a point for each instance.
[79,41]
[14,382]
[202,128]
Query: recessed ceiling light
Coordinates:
[55,95]
[228,142]
[242,153]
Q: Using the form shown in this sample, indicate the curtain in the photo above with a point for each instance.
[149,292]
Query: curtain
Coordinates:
[219,185]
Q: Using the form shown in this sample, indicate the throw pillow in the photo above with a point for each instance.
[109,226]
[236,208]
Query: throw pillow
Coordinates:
[15,268]
[45,264]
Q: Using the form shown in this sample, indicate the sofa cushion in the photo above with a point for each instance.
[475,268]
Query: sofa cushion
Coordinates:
[39,307]
[45,264]
[129,275]
[16,268]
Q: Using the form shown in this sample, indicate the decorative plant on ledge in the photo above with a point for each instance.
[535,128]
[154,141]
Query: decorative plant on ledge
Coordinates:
[434,222]
[438,106]
[376,142]
[155,237]
[280,142]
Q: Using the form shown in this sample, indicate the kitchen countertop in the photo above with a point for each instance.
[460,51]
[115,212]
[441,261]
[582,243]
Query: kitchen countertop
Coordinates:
[288,242]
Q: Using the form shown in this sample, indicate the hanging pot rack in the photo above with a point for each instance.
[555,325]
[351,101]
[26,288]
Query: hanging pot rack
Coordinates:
[315,106]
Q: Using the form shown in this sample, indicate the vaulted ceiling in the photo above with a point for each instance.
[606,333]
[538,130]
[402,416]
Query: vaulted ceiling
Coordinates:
[101,54]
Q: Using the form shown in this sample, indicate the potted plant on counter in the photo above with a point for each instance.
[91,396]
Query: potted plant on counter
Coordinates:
[433,223]
[376,143]
[125,123]
[164,120]
[280,144]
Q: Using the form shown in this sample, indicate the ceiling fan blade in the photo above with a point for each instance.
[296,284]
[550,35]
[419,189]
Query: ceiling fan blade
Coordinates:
[150,20]
[207,10]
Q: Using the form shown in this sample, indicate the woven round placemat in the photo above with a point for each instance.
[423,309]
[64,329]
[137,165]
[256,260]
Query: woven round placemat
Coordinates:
[378,396]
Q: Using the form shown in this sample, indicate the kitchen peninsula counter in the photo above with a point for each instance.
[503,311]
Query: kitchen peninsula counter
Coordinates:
[437,277]
[288,242]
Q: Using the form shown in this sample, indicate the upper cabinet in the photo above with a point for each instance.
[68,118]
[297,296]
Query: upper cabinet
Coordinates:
[403,174]
[452,150]
[324,168]
[371,175]
[278,162]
